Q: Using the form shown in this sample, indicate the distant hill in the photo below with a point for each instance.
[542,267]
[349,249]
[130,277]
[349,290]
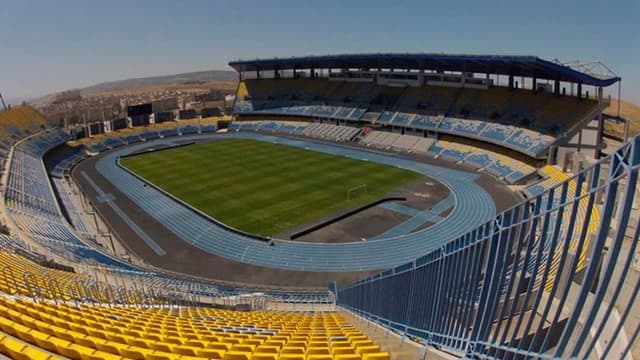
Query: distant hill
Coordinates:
[192,77]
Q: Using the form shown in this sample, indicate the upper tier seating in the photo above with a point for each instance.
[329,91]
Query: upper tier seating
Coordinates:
[519,119]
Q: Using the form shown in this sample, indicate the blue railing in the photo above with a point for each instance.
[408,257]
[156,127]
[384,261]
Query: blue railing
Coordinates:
[553,277]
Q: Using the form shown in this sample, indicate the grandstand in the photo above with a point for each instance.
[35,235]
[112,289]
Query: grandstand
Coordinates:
[553,276]
[531,117]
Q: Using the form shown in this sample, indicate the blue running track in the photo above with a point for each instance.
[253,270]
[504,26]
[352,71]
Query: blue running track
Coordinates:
[473,206]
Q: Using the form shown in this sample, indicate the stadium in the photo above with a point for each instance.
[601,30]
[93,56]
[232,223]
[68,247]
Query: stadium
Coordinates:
[351,207]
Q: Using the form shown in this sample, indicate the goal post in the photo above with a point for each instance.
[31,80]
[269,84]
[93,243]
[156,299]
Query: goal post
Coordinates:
[350,191]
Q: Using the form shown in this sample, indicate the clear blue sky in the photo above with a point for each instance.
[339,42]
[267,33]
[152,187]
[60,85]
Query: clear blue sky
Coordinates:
[49,45]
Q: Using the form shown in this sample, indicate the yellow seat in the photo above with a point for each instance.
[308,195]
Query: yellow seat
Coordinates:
[340,344]
[218,346]
[292,350]
[319,357]
[264,356]
[110,347]
[367,349]
[237,355]
[243,348]
[211,353]
[210,338]
[116,338]
[267,349]
[161,356]
[291,357]
[318,351]
[231,341]
[275,343]
[376,356]
[49,343]
[361,342]
[347,357]
[138,342]
[21,351]
[253,341]
[97,333]
[297,343]
[89,341]
[135,354]
[184,350]
[154,345]
[152,337]
[195,343]
[316,343]
[99,355]
[73,351]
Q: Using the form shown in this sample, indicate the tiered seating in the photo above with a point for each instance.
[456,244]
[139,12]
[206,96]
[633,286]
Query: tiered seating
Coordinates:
[497,132]
[34,210]
[208,128]
[530,141]
[147,135]
[19,122]
[499,165]
[463,126]
[552,178]
[555,176]
[70,206]
[380,139]
[132,139]
[270,126]
[113,142]
[92,332]
[452,151]
[403,119]
[398,142]
[326,111]
[188,130]
[426,122]
[386,117]
[405,142]
[518,119]
[331,132]
[170,132]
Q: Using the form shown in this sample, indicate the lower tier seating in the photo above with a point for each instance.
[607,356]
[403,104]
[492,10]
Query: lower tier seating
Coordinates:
[497,164]
[115,332]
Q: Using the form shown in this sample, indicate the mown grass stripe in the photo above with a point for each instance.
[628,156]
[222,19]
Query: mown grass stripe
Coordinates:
[265,188]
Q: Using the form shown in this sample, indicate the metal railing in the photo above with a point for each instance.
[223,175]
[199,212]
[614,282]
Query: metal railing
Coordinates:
[552,277]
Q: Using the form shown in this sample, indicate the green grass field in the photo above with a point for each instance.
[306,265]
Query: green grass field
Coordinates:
[265,188]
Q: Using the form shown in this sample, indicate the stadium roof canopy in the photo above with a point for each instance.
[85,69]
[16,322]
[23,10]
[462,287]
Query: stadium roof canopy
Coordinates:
[527,66]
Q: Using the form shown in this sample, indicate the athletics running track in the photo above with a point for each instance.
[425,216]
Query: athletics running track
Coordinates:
[473,206]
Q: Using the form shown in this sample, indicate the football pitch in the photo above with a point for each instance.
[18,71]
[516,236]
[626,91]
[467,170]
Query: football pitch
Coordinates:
[265,188]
